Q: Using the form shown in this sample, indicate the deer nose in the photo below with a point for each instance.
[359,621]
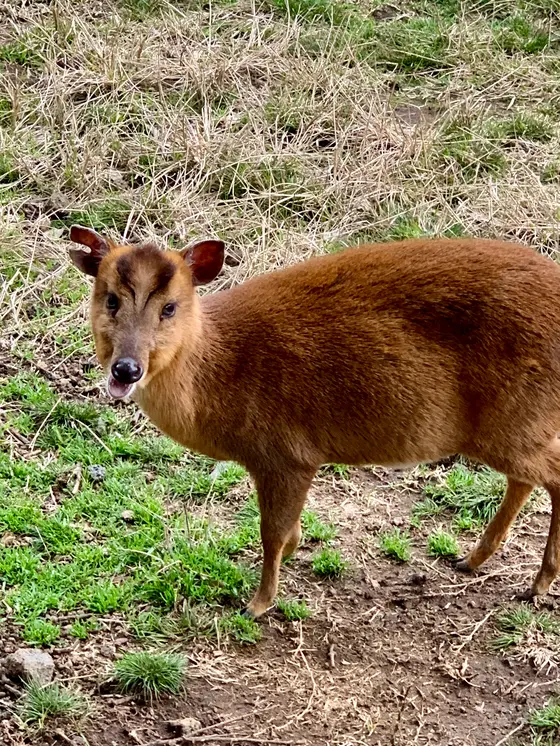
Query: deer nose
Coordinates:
[127,370]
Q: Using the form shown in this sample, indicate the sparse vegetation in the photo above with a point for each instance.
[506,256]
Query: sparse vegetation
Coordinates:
[527,635]
[293,609]
[395,544]
[41,702]
[240,628]
[150,674]
[328,563]
[315,529]
[472,497]
[442,544]
[547,718]
[519,624]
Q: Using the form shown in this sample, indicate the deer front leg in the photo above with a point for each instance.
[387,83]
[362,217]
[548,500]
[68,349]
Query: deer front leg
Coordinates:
[281,500]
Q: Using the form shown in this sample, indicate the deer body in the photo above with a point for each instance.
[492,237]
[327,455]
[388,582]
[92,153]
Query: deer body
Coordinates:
[391,354]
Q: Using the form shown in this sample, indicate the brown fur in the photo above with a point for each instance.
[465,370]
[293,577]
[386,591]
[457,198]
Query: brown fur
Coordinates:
[390,354]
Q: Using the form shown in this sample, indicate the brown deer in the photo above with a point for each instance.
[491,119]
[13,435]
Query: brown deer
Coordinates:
[389,354]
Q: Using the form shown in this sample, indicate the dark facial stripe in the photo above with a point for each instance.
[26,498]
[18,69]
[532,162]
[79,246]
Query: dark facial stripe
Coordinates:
[154,264]
[125,270]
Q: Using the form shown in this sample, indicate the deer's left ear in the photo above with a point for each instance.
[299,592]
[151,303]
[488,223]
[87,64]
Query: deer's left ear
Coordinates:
[205,259]
[88,261]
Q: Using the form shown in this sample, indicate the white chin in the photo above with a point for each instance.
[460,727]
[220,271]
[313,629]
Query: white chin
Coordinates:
[119,390]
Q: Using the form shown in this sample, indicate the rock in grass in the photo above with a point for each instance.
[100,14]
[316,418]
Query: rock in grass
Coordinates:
[220,468]
[28,665]
[96,472]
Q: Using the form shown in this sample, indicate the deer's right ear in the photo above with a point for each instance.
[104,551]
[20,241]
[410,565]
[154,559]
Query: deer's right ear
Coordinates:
[88,261]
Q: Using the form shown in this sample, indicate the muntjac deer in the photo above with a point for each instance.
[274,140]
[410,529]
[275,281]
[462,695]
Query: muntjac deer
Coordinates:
[389,354]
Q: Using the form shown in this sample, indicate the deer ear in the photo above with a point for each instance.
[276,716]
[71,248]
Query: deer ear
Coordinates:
[88,261]
[205,259]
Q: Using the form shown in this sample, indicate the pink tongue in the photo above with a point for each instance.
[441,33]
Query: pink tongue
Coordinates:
[118,390]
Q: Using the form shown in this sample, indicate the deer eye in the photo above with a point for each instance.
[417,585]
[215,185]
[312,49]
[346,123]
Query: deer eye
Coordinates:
[168,310]
[112,302]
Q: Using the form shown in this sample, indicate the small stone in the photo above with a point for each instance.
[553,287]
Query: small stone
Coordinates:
[185,726]
[29,664]
[128,516]
[107,651]
[96,472]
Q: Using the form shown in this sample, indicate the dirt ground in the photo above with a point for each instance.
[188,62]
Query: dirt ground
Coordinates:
[394,654]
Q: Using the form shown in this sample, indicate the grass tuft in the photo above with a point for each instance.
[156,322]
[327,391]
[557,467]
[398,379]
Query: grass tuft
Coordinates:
[442,544]
[546,718]
[41,632]
[395,544]
[41,702]
[240,628]
[315,529]
[294,610]
[523,627]
[471,496]
[328,563]
[150,674]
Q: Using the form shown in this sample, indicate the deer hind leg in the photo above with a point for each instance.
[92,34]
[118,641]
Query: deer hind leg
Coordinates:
[551,559]
[281,500]
[517,494]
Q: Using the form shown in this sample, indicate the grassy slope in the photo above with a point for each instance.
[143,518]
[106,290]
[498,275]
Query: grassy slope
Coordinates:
[295,127]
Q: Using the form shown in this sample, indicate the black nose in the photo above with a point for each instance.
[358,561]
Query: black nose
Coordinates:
[127,370]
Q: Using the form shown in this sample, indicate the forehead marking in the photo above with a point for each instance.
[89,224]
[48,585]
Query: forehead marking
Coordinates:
[145,265]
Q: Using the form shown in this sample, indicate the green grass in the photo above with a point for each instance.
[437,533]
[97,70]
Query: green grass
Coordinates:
[517,34]
[466,150]
[471,497]
[339,470]
[83,555]
[143,9]
[315,529]
[514,626]
[52,701]
[149,674]
[546,718]
[328,563]
[395,544]
[240,628]
[293,610]
[110,213]
[521,126]
[126,544]
[442,544]
[22,52]
[41,632]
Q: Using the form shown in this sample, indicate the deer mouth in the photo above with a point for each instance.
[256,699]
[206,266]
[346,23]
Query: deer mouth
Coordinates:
[117,389]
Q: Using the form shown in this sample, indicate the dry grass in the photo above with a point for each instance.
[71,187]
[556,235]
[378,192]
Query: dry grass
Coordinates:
[285,135]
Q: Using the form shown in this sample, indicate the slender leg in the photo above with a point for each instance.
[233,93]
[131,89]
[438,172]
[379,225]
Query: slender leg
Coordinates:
[551,560]
[516,496]
[281,499]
